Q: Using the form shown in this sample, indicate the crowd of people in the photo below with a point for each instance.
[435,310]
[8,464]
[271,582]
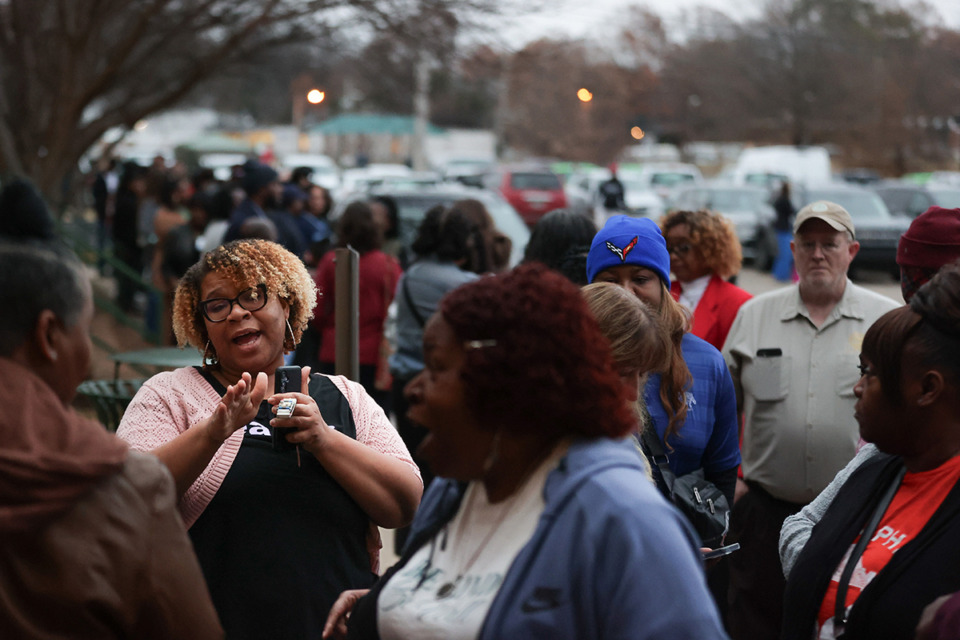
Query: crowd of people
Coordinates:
[559,444]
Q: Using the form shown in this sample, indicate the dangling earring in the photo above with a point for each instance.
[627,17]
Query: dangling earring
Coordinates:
[293,338]
[212,359]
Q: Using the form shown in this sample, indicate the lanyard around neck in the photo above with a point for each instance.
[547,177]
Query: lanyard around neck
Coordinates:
[840,608]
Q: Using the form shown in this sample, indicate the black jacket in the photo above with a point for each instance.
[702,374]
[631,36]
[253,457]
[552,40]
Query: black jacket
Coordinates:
[890,606]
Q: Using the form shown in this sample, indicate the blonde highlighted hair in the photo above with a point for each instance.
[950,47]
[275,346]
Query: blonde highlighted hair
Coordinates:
[246,263]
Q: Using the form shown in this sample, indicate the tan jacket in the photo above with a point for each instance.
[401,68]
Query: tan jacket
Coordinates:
[118,564]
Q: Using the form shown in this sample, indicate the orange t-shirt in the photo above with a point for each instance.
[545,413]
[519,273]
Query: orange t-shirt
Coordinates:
[919,496]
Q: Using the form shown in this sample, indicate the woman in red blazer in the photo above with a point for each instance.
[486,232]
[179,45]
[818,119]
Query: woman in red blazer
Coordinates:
[704,252]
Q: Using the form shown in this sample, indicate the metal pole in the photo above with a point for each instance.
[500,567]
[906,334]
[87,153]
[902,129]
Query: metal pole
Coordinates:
[347,312]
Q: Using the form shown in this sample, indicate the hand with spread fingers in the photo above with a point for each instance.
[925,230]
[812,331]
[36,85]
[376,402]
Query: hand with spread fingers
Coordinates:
[219,429]
[237,407]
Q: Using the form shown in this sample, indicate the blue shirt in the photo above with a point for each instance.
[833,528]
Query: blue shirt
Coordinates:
[709,437]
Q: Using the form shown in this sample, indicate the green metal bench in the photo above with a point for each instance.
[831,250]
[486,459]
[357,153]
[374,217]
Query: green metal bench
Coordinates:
[110,398]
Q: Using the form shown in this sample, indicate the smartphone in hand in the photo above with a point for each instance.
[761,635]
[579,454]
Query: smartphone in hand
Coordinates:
[285,380]
[721,551]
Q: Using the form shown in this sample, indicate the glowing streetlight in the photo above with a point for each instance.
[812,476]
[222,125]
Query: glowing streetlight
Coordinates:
[584,95]
[637,133]
[315,96]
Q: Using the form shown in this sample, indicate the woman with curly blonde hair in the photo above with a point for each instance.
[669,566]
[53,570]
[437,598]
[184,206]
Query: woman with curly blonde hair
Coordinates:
[281,521]
[704,253]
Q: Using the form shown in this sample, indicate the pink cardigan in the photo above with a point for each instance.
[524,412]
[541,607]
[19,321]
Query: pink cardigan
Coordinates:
[169,403]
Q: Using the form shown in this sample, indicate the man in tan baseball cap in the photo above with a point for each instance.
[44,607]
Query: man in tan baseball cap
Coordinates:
[830,212]
[793,355]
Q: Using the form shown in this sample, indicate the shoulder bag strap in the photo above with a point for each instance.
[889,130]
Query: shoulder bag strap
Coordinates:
[652,441]
[413,308]
[840,607]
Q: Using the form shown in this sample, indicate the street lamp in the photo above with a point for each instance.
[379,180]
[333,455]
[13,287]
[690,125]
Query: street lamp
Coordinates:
[637,133]
[584,95]
[315,96]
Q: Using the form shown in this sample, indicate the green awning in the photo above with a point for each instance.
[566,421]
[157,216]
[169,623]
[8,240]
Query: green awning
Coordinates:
[370,124]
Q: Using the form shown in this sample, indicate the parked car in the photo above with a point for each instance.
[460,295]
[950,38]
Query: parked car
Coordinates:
[414,203]
[911,199]
[363,179]
[664,177]
[861,176]
[532,191]
[469,171]
[747,207]
[878,230]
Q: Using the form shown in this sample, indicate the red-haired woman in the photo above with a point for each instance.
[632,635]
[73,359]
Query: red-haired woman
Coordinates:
[542,523]
[704,252]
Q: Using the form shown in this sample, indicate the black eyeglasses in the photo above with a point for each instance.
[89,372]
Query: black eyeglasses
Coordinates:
[680,249]
[217,309]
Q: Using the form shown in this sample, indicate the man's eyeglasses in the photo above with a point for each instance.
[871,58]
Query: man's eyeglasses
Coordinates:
[680,249]
[808,246]
[217,309]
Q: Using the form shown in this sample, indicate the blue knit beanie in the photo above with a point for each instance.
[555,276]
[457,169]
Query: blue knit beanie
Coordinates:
[626,240]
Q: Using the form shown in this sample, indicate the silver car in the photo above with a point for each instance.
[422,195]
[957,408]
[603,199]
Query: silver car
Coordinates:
[747,207]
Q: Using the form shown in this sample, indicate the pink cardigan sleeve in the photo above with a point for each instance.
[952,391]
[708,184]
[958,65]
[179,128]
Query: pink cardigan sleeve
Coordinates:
[166,405]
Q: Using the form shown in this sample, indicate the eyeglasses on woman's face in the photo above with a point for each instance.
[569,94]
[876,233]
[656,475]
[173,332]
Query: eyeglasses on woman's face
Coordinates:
[217,309]
[679,249]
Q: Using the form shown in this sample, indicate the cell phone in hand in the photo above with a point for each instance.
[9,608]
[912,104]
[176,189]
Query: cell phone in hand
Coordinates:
[285,380]
[721,551]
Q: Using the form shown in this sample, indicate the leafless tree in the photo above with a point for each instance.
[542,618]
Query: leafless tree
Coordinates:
[70,70]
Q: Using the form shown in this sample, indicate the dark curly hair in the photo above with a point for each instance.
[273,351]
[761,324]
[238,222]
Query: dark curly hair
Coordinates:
[558,238]
[548,367]
[929,325]
[712,236]
[450,234]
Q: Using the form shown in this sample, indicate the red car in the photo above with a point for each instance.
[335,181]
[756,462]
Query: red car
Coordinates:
[532,192]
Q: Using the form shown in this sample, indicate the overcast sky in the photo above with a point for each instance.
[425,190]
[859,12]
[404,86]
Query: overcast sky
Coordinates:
[599,18]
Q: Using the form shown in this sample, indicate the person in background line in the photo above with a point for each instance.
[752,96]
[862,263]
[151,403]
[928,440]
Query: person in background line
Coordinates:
[264,193]
[931,241]
[498,245]
[561,240]
[91,543]
[446,245]
[320,233]
[262,189]
[793,355]
[171,214]
[542,523]
[378,275]
[281,522]
[104,192]
[301,178]
[704,254]
[691,404]
[612,193]
[783,206]
[126,238]
[386,214]
[903,503]
[638,343]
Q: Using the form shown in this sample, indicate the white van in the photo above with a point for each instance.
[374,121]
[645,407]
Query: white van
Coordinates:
[769,166]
